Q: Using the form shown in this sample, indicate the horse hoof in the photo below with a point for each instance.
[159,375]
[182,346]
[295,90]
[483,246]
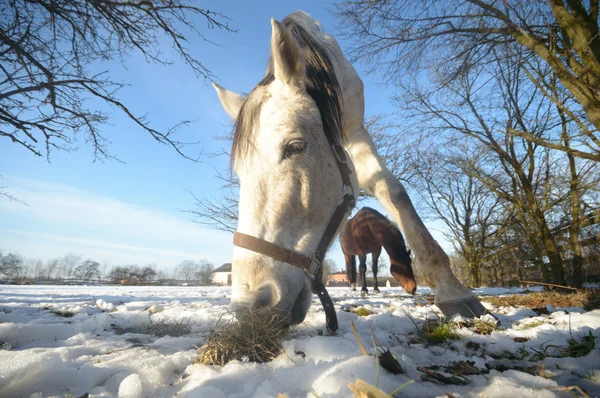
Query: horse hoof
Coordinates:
[376,290]
[469,308]
[353,289]
[363,293]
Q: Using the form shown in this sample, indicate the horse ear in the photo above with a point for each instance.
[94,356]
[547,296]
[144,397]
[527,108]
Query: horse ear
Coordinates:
[288,63]
[231,102]
[409,251]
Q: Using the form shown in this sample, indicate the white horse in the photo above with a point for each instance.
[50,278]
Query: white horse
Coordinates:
[290,184]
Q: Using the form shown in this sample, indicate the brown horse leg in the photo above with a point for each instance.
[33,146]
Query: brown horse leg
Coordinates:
[363,273]
[351,270]
[374,260]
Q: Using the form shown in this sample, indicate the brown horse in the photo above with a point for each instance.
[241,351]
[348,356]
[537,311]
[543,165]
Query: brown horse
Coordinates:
[366,233]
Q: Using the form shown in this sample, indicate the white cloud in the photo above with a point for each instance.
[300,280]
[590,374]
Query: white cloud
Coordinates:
[72,219]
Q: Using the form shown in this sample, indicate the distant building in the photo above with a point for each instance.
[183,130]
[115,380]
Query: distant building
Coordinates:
[222,275]
[338,278]
[128,281]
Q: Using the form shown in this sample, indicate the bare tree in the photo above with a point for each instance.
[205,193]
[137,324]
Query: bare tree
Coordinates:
[68,263]
[204,272]
[38,269]
[186,270]
[119,272]
[473,214]
[10,265]
[27,268]
[88,270]
[516,170]
[50,86]
[560,37]
[580,178]
[52,267]
[104,269]
[147,273]
[329,266]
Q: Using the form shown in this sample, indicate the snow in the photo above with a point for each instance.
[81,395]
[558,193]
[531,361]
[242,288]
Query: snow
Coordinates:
[131,387]
[141,341]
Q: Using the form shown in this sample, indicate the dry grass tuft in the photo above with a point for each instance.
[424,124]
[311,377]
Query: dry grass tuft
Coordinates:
[252,336]
[484,326]
[64,313]
[586,298]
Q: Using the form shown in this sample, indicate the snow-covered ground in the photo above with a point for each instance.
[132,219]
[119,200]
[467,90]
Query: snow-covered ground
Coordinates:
[141,341]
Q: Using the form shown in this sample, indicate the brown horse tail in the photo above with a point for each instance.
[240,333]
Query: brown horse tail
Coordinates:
[351,271]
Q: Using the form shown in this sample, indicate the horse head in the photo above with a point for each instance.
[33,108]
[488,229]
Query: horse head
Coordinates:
[290,184]
[401,269]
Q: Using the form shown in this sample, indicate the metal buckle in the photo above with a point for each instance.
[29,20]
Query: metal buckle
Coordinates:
[313,268]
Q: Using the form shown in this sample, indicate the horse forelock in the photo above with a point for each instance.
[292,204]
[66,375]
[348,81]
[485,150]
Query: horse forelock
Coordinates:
[320,83]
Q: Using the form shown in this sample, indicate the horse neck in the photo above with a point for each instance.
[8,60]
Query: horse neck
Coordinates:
[393,243]
[395,250]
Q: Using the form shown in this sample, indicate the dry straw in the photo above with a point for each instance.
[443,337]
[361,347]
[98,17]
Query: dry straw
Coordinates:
[252,336]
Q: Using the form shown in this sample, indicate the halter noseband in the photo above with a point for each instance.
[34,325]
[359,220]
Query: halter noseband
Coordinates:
[312,265]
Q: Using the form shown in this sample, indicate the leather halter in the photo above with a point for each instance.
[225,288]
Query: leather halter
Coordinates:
[312,265]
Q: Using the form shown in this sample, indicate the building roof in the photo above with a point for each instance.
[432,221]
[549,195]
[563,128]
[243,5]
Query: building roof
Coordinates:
[223,268]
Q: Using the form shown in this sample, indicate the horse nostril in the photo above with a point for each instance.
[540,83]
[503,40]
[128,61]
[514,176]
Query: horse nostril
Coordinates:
[265,297]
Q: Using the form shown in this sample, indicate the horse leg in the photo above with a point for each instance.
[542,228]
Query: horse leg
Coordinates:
[351,270]
[373,176]
[363,273]
[374,260]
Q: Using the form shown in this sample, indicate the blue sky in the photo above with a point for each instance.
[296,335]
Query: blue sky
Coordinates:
[131,212]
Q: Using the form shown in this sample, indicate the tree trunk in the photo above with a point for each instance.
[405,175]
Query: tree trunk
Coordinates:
[553,253]
[474,275]
[518,264]
[575,227]
[547,241]
[577,270]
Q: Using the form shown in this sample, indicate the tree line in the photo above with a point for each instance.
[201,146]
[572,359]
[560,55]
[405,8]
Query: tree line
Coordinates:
[74,267]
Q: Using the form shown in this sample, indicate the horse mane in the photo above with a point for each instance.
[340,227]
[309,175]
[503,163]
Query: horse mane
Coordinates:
[321,85]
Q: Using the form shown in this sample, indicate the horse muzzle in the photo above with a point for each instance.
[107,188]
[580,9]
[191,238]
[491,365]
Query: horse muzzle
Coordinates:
[290,310]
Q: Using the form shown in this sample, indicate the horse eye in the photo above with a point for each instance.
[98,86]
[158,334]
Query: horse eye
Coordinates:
[294,147]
